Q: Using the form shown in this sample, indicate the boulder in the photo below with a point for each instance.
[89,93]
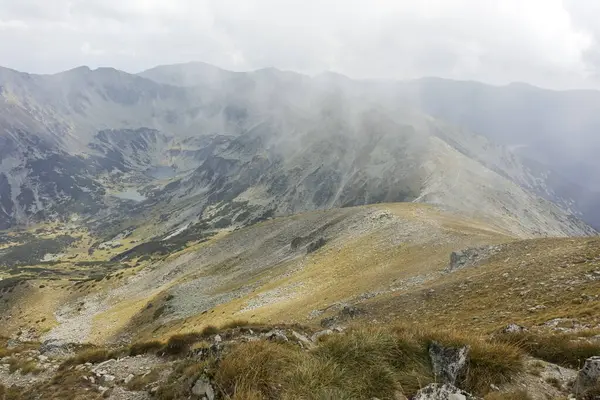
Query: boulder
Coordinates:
[448,363]
[203,388]
[438,391]
[588,377]
[458,259]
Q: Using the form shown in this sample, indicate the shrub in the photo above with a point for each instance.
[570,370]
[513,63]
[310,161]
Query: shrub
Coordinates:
[92,355]
[179,344]
[145,348]
[209,330]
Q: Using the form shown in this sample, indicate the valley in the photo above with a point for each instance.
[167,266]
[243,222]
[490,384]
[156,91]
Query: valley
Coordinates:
[166,233]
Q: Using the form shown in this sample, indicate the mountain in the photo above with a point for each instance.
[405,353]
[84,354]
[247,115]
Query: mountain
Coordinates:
[163,234]
[555,132]
[236,148]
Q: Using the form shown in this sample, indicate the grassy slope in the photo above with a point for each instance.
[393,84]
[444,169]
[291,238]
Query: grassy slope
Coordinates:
[561,277]
[397,261]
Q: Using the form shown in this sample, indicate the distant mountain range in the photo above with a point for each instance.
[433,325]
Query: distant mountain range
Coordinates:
[192,144]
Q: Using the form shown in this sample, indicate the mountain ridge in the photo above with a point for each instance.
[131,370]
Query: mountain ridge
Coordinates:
[284,127]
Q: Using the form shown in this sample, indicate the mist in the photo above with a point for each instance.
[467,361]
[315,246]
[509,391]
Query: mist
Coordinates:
[551,44]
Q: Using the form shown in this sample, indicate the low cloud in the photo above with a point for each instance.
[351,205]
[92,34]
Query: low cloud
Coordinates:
[544,42]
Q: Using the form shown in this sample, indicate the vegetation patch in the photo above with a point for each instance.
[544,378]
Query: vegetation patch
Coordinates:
[564,349]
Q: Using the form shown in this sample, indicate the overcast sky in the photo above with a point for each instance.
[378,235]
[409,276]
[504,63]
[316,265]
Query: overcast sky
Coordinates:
[550,43]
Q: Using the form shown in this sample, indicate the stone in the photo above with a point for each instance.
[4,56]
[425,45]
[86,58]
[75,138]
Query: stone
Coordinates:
[350,312]
[203,388]
[438,391]
[448,362]
[54,347]
[329,321]
[108,378]
[399,396]
[315,337]
[588,377]
[303,340]
[513,328]
[457,260]
[218,339]
[276,335]
[129,378]
[42,358]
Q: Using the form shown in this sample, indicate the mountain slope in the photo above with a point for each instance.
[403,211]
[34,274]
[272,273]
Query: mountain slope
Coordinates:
[241,147]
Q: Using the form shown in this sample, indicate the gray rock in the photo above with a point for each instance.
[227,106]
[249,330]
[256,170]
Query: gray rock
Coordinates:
[589,376]
[129,378]
[54,347]
[303,340]
[108,378]
[276,335]
[316,336]
[218,339]
[438,391]
[350,312]
[203,388]
[513,328]
[448,362]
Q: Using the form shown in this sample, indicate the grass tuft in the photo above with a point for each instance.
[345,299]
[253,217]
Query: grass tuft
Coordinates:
[562,349]
[145,347]
[515,395]
[92,355]
[180,343]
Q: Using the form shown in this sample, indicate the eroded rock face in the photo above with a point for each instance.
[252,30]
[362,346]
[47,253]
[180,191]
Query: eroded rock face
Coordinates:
[449,363]
[589,376]
[438,391]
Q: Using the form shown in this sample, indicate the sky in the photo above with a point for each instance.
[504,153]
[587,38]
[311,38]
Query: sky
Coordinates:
[548,43]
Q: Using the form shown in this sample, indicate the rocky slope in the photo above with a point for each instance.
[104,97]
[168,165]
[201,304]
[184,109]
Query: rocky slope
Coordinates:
[361,278]
[236,148]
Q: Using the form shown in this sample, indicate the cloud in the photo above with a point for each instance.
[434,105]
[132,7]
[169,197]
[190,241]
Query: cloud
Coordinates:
[544,42]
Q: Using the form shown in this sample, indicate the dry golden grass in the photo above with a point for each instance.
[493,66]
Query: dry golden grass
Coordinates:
[555,274]
[515,395]
[140,348]
[568,350]
[24,366]
[362,363]
[92,355]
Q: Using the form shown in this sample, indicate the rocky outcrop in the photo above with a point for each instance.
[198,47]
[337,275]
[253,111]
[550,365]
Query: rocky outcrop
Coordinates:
[588,379]
[449,363]
[470,257]
[348,312]
[437,391]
